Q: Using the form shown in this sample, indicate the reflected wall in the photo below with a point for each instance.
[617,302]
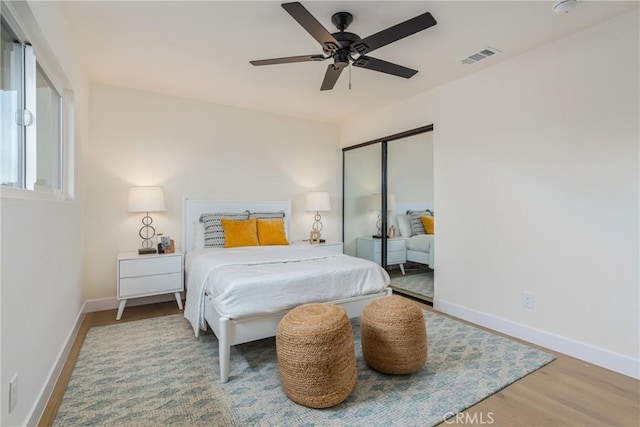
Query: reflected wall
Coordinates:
[410,174]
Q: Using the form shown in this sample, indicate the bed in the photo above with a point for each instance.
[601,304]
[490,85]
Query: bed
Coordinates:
[420,246]
[242,293]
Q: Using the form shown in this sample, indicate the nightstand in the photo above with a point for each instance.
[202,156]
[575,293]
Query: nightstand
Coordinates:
[371,249]
[333,246]
[146,275]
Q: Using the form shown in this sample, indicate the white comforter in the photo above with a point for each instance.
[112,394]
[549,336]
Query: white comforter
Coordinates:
[250,281]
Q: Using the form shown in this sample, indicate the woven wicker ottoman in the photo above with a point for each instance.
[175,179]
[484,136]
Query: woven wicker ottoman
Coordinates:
[394,335]
[316,355]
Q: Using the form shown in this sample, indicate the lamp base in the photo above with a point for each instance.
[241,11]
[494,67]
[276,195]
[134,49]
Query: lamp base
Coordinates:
[314,236]
[147,251]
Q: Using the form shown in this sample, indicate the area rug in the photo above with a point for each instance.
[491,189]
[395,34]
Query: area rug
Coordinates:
[418,285]
[154,372]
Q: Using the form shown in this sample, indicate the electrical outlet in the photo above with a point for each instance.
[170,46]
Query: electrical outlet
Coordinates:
[528,300]
[13,392]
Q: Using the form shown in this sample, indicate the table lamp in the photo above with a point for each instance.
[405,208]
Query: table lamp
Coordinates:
[146,199]
[317,201]
[375,203]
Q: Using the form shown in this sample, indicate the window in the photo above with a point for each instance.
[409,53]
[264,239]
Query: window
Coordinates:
[31,111]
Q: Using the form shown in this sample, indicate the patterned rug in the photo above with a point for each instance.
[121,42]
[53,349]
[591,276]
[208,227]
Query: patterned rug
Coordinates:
[155,372]
[419,285]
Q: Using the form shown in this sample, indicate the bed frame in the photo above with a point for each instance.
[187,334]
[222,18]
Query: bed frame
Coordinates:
[238,331]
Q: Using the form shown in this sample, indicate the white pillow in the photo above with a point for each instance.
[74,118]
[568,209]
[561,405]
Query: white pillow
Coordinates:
[404,225]
[198,238]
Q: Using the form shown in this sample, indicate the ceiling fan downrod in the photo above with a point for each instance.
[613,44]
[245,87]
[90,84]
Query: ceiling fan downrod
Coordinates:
[342,20]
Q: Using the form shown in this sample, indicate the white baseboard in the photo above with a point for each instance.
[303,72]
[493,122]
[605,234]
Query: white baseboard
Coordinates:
[587,352]
[112,303]
[54,374]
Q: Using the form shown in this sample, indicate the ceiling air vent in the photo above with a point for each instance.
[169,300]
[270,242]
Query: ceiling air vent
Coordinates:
[479,56]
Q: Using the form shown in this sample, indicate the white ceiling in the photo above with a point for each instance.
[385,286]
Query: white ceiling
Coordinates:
[201,50]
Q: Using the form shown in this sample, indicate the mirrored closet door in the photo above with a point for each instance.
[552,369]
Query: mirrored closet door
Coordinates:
[388,208]
[362,178]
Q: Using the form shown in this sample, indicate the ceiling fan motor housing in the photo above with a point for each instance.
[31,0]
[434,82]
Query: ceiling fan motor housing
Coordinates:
[346,39]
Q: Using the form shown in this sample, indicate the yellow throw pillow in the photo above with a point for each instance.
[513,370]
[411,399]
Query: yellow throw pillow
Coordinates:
[271,232]
[239,232]
[427,221]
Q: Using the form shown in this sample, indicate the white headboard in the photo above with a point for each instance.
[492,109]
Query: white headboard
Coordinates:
[192,209]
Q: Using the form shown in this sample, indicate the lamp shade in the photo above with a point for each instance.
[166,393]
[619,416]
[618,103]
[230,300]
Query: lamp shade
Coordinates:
[318,201]
[146,199]
[375,202]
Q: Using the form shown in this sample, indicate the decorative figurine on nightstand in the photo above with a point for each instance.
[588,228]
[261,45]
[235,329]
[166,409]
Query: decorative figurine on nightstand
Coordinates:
[160,245]
[166,244]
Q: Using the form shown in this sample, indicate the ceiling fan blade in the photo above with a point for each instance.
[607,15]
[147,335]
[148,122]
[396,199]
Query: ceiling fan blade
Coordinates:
[384,67]
[289,59]
[392,34]
[331,77]
[313,27]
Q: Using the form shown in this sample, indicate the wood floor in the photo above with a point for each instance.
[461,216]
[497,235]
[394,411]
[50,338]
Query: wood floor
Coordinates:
[566,392]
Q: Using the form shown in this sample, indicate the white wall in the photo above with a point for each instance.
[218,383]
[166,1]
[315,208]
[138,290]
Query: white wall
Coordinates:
[536,189]
[199,151]
[42,248]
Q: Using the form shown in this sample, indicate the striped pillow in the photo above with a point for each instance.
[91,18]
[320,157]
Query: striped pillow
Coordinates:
[213,231]
[417,227]
[267,215]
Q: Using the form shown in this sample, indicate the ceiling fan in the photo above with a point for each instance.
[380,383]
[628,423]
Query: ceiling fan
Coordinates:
[344,47]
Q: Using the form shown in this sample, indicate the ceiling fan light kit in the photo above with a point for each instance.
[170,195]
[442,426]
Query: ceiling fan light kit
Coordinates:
[347,48]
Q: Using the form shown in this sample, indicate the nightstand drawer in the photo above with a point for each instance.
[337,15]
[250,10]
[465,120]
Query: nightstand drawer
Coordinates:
[145,285]
[392,245]
[371,249]
[396,257]
[396,245]
[145,267]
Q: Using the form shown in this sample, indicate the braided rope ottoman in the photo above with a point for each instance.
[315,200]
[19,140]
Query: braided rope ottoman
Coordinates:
[394,335]
[316,355]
